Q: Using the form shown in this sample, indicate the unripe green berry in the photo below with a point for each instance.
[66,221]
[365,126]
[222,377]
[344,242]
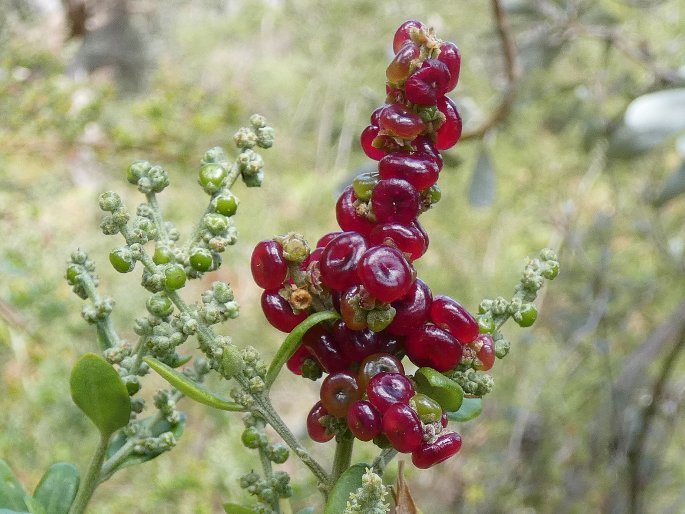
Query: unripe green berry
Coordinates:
[159,305]
[429,410]
[551,270]
[174,277]
[434,194]
[379,319]
[122,259]
[253,438]
[137,170]
[257,121]
[216,223]
[132,385]
[486,323]
[526,316]
[363,185]
[278,453]
[211,177]
[226,204]
[162,255]
[201,259]
[72,273]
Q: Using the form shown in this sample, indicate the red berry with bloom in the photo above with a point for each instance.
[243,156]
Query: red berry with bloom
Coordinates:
[268,266]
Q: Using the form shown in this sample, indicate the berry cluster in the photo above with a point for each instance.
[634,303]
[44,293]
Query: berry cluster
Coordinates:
[365,273]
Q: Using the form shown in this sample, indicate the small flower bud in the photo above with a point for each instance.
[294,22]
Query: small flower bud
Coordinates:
[137,170]
[215,155]
[222,292]
[245,138]
[295,247]
[257,121]
[215,223]
[265,137]
[159,305]
[253,180]
[159,179]
[109,201]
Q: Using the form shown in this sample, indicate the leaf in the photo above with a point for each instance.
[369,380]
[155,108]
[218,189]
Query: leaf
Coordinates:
[628,142]
[482,187]
[11,492]
[58,487]
[307,510]
[470,409]
[292,343]
[34,506]
[404,502]
[442,389]
[8,511]
[660,111]
[235,508]
[348,483]
[673,187]
[190,388]
[100,393]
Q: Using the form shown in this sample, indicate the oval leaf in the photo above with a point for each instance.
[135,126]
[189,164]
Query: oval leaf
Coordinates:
[443,390]
[292,343]
[482,188]
[470,409]
[58,487]
[34,506]
[190,388]
[348,483]
[11,492]
[662,111]
[100,393]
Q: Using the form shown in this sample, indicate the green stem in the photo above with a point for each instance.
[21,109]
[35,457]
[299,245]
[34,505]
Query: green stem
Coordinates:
[107,335]
[140,353]
[111,464]
[162,233]
[266,466]
[343,456]
[383,459]
[92,478]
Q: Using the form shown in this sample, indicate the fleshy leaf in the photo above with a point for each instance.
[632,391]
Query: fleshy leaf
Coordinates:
[58,487]
[190,388]
[34,506]
[470,409]
[100,393]
[443,390]
[292,343]
[11,492]
[348,483]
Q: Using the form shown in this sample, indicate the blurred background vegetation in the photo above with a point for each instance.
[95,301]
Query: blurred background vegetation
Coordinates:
[587,408]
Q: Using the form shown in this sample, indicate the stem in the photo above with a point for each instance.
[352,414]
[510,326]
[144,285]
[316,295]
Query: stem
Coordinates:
[383,459]
[92,478]
[157,217]
[111,464]
[140,353]
[343,456]
[107,335]
[266,466]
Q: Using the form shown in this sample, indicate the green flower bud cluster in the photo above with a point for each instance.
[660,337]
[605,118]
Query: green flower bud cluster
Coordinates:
[218,305]
[98,310]
[148,178]
[166,404]
[80,273]
[370,497]
[472,382]
[155,445]
[268,491]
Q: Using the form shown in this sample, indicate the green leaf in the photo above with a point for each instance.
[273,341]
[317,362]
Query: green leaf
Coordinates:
[58,487]
[292,343]
[470,409]
[190,388]
[100,393]
[306,510]
[234,508]
[443,390]
[34,506]
[482,188]
[11,492]
[349,482]
[8,511]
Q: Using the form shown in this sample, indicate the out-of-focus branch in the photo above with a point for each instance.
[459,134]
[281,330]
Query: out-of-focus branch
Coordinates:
[513,73]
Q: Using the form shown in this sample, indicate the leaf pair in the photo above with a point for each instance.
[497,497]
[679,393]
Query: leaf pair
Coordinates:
[54,493]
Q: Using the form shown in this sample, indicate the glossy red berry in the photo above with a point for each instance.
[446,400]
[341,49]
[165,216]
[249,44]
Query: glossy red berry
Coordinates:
[485,351]
[376,114]
[268,266]
[316,430]
[338,392]
[364,420]
[314,256]
[348,216]
[295,362]
[395,200]
[366,140]
[450,131]
[433,347]
[399,121]
[402,427]
[386,389]
[339,260]
[412,309]
[385,273]
[428,83]
[351,307]
[403,33]
[356,345]
[279,312]
[449,314]
[375,364]
[323,346]
[398,70]
[430,454]
[450,55]
[420,169]
[327,238]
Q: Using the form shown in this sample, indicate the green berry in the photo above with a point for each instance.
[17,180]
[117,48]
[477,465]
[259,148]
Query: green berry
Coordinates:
[216,223]
[174,277]
[429,410]
[162,255]
[526,316]
[73,272]
[211,177]
[226,204]
[201,259]
[363,185]
[485,323]
[252,438]
[137,170]
[133,386]
[551,270]
[122,259]
[434,194]
[159,305]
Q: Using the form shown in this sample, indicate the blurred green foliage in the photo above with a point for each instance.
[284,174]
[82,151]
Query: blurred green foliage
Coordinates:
[556,434]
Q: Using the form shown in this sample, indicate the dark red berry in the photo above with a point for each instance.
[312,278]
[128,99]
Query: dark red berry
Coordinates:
[424,144]
[375,364]
[279,313]
[315,429]
[351,307]
[366,139]
[269,268]
[412,309]
[356,345]
[444,420]
[433,347]
[428,83]
[327,238]
[399,121]
[324,347]
[450,131]
[339,260]
[402,427]
[398,70]
[395,200]
[450,55]
[338,392]
[430,454]
[388,343]
[385,273]
[364,420]
[485,351]
[420,169]
[348,216]
[386,389]
[314,256]
[403,33]
[449,314]
[408,239]
[376,114]
[295,362]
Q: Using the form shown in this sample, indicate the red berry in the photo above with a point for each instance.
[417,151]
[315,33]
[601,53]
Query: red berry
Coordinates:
[428,83]
[388,343]
[402,427]
[375,364]
[412,309]
[398,70]
[326,238]
[385,273]
[338,392]
[433,347]
[269,269]
[366,139]
[314,256]
[450,55]
[295,362]
[364,420]
[429,454]
[350,309]
[399,121]
[279,312]
[450,131]
[348,216]
[355,345]
[424,144]
[386,389]
[315,429]
[339,260]
[444,420]
[485,351]
[449,314]
[322,345]
[395,200]
[420,169]
[403,33]
[376,114]
[408,239]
